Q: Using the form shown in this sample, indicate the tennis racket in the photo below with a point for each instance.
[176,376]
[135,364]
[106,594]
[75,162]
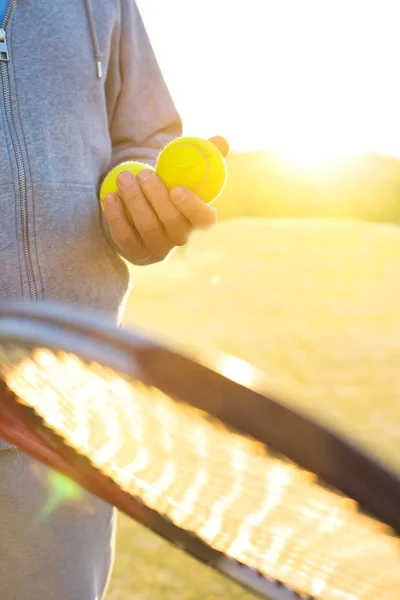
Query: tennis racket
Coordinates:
[230,474]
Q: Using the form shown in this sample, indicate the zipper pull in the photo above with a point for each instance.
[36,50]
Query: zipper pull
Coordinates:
[3,46]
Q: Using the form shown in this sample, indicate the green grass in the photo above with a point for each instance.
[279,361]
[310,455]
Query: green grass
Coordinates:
[148,568]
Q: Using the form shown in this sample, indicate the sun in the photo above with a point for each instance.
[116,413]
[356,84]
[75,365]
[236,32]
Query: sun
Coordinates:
[311,79]
[313,156]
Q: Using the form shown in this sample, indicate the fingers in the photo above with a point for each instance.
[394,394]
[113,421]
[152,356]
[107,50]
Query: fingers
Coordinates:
[177,226]
[122,232]
[142,214]
[199,214]
[145,219]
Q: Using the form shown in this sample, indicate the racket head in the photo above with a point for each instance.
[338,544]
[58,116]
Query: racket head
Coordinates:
[193,382]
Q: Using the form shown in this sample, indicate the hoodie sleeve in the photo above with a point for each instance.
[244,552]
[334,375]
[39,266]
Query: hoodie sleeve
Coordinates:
[144,118]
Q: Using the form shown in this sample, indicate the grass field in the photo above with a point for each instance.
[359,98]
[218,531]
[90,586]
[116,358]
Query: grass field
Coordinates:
[147,567]
[292,300]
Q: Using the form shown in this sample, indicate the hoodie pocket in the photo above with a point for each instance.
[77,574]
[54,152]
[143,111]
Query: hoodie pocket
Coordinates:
[76,263]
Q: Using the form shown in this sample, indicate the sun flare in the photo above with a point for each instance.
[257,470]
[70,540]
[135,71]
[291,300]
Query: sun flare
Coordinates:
[309,78]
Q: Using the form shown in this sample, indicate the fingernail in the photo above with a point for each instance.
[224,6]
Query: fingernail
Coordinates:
[110,200]
[125,179]
[178,194]
[145,175]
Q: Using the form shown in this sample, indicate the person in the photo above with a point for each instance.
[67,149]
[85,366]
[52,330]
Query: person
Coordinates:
[82,92]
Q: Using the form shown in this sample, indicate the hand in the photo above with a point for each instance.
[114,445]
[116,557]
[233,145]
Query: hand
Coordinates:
[147,220]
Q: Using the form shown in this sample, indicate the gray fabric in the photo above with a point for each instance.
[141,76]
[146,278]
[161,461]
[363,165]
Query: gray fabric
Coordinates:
[71,127]
[47,552]
[4,445]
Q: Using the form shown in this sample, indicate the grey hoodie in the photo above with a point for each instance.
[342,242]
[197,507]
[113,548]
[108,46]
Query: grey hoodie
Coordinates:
[82,91]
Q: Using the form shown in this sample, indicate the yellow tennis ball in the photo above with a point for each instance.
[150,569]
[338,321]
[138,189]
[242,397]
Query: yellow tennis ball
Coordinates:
[110,186]
[194,163]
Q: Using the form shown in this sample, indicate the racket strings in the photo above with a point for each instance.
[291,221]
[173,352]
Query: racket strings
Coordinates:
[223,487]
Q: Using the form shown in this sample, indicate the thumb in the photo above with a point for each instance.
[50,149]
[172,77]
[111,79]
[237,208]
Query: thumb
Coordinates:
[221,144]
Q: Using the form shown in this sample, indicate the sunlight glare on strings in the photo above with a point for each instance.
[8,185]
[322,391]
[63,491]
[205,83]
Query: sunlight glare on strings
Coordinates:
[258,509]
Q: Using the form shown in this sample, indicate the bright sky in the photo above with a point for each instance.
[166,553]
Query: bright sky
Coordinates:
[310,77]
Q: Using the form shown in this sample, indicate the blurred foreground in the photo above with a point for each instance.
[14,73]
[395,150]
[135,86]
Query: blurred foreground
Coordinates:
[147,568]
[315,304]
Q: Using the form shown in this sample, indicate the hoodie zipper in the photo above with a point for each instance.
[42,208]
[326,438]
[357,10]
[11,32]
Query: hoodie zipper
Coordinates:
[23,194]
